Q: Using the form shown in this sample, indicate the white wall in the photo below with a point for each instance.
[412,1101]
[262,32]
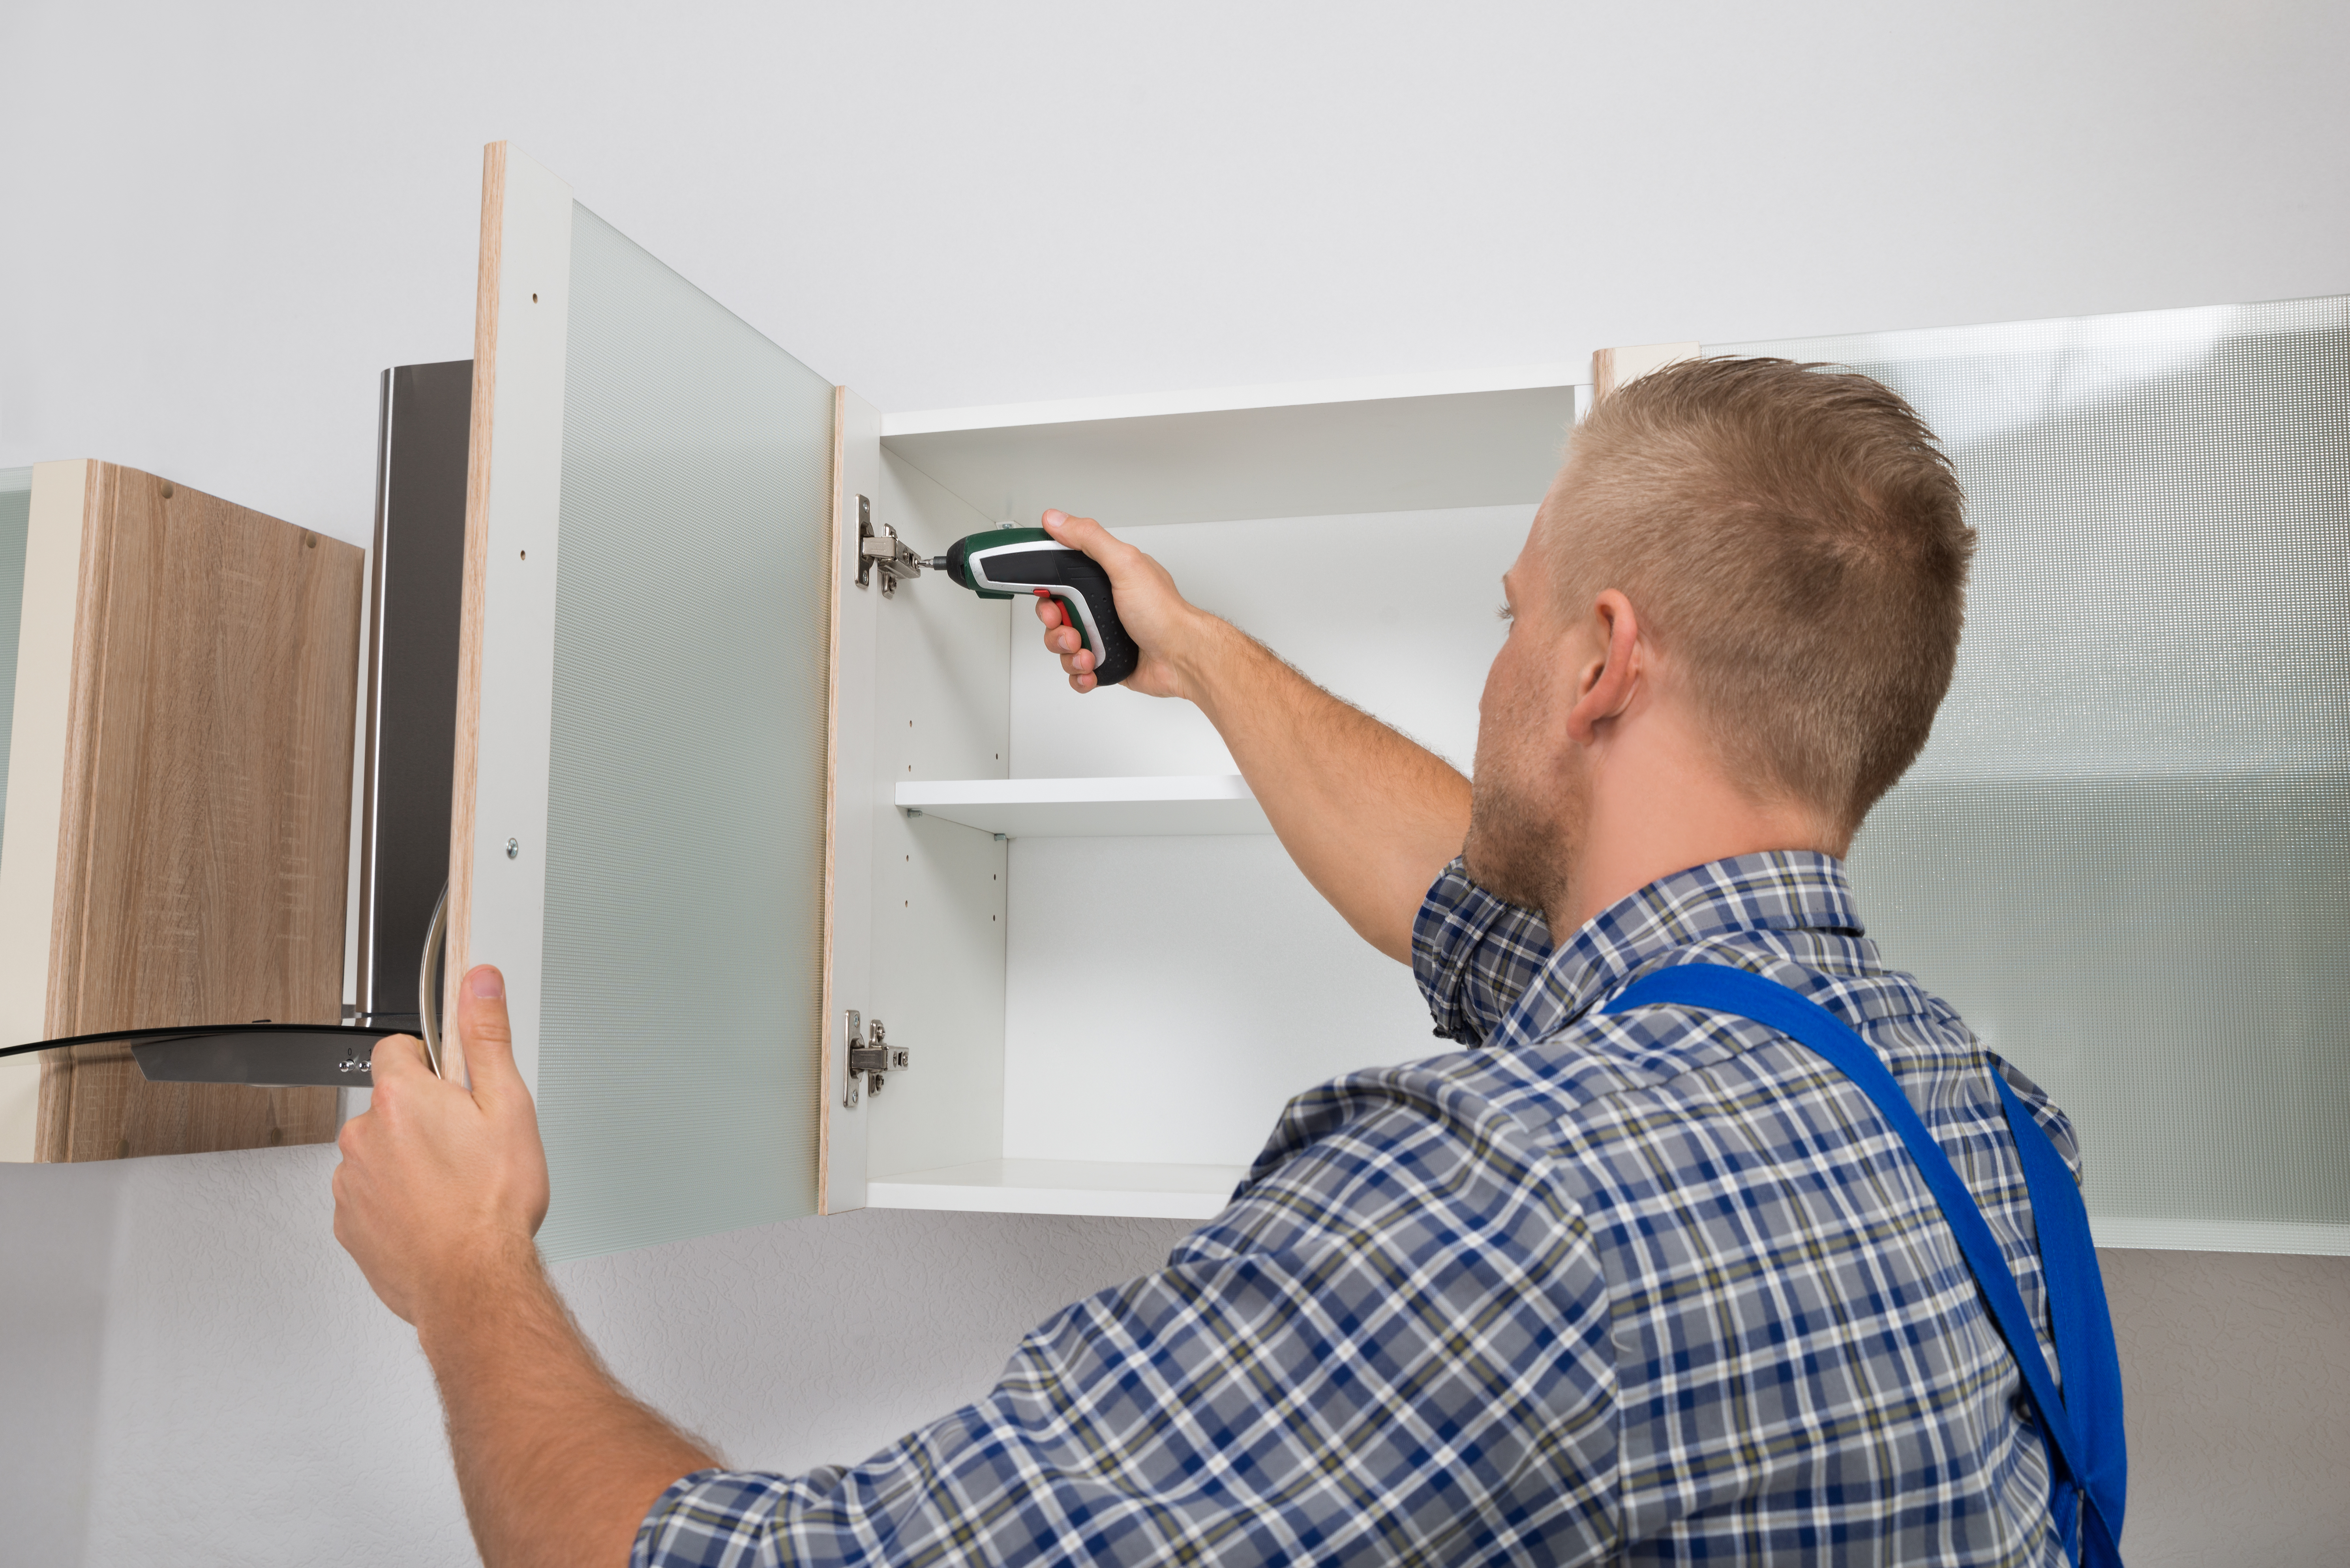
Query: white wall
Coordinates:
[195,1374]
[221,220]
[217,224]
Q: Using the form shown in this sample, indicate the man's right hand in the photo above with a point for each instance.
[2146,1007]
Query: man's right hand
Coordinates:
[1168,629]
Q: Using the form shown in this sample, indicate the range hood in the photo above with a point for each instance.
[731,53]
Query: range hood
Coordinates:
[415,592]
[266,1056]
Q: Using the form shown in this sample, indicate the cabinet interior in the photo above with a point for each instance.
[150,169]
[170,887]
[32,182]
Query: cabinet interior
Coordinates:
[1111,1002]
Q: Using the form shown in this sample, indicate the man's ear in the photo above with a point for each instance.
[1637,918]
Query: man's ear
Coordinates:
[1604,686]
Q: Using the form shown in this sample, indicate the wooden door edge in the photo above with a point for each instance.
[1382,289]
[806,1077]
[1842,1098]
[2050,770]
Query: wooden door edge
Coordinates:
[466,761]
[1613,368]
[826,1052]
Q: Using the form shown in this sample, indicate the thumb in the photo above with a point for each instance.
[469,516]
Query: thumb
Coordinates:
[487,1036]
[397,1056]
[1082,533]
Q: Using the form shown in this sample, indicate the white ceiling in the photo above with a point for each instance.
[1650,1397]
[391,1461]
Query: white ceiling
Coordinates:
[219,220]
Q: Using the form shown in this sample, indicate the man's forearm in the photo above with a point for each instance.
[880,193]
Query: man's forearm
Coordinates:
[557,1464]
[1368,815]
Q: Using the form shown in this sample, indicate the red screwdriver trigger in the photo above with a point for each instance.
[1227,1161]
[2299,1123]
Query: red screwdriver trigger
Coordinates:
[1068,617]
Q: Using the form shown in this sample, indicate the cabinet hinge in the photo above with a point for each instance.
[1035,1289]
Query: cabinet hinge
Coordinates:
[882,548]
[869,1059]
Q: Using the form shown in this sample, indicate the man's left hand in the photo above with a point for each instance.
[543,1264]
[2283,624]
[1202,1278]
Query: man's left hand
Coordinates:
[442,1184]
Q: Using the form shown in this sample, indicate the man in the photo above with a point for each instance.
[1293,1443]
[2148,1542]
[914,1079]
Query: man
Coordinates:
[1644,1286]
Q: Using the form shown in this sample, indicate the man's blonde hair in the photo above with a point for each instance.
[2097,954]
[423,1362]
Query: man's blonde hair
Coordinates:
[1794,538]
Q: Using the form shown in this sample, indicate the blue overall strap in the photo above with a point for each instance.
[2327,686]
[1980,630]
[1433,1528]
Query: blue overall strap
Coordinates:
[2084,1326]
[2084,1439]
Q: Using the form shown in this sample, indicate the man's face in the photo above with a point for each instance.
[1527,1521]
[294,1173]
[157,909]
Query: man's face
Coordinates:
[1531,793]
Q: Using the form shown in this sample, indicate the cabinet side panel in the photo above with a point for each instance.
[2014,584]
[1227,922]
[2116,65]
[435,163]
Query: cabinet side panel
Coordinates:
[939,887]
[50,677]
[681,1027]
[206,809]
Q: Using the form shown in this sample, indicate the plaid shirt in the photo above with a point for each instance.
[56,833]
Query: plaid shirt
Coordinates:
[1655,1287]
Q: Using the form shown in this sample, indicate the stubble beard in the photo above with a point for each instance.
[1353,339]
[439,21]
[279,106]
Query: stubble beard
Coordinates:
[1525,825]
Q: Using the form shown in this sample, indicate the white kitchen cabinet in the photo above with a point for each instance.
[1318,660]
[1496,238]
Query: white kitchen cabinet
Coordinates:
[1107,974]
[715,799]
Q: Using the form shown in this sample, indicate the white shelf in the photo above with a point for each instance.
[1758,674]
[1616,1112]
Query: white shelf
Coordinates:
[1188,804]
[1331,449]
[1063,1186]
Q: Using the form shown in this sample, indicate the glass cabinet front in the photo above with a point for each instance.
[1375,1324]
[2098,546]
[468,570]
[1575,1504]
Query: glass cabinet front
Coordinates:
[2124,854]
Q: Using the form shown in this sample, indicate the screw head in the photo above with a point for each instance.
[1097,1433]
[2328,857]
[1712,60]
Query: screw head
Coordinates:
[514,847]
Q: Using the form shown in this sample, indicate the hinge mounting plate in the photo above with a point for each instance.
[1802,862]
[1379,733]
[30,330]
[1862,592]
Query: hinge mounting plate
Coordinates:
[881,547]
[869,1059]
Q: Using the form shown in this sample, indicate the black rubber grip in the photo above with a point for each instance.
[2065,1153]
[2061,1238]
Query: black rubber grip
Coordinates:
[1073,574]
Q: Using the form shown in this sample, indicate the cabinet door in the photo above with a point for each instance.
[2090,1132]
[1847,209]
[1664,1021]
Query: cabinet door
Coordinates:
[2123,854]
[639,828]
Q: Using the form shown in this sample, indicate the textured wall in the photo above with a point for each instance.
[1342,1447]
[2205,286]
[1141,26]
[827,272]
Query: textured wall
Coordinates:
[194,1374]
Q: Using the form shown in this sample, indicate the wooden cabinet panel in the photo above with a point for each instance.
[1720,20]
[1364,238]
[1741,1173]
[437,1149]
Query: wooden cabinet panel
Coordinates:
[203,830]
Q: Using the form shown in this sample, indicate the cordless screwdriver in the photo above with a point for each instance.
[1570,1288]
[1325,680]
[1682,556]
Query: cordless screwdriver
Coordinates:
[1013,563]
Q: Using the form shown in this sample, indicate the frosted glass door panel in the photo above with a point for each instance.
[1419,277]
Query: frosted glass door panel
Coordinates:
[683,968]
[2125,855]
